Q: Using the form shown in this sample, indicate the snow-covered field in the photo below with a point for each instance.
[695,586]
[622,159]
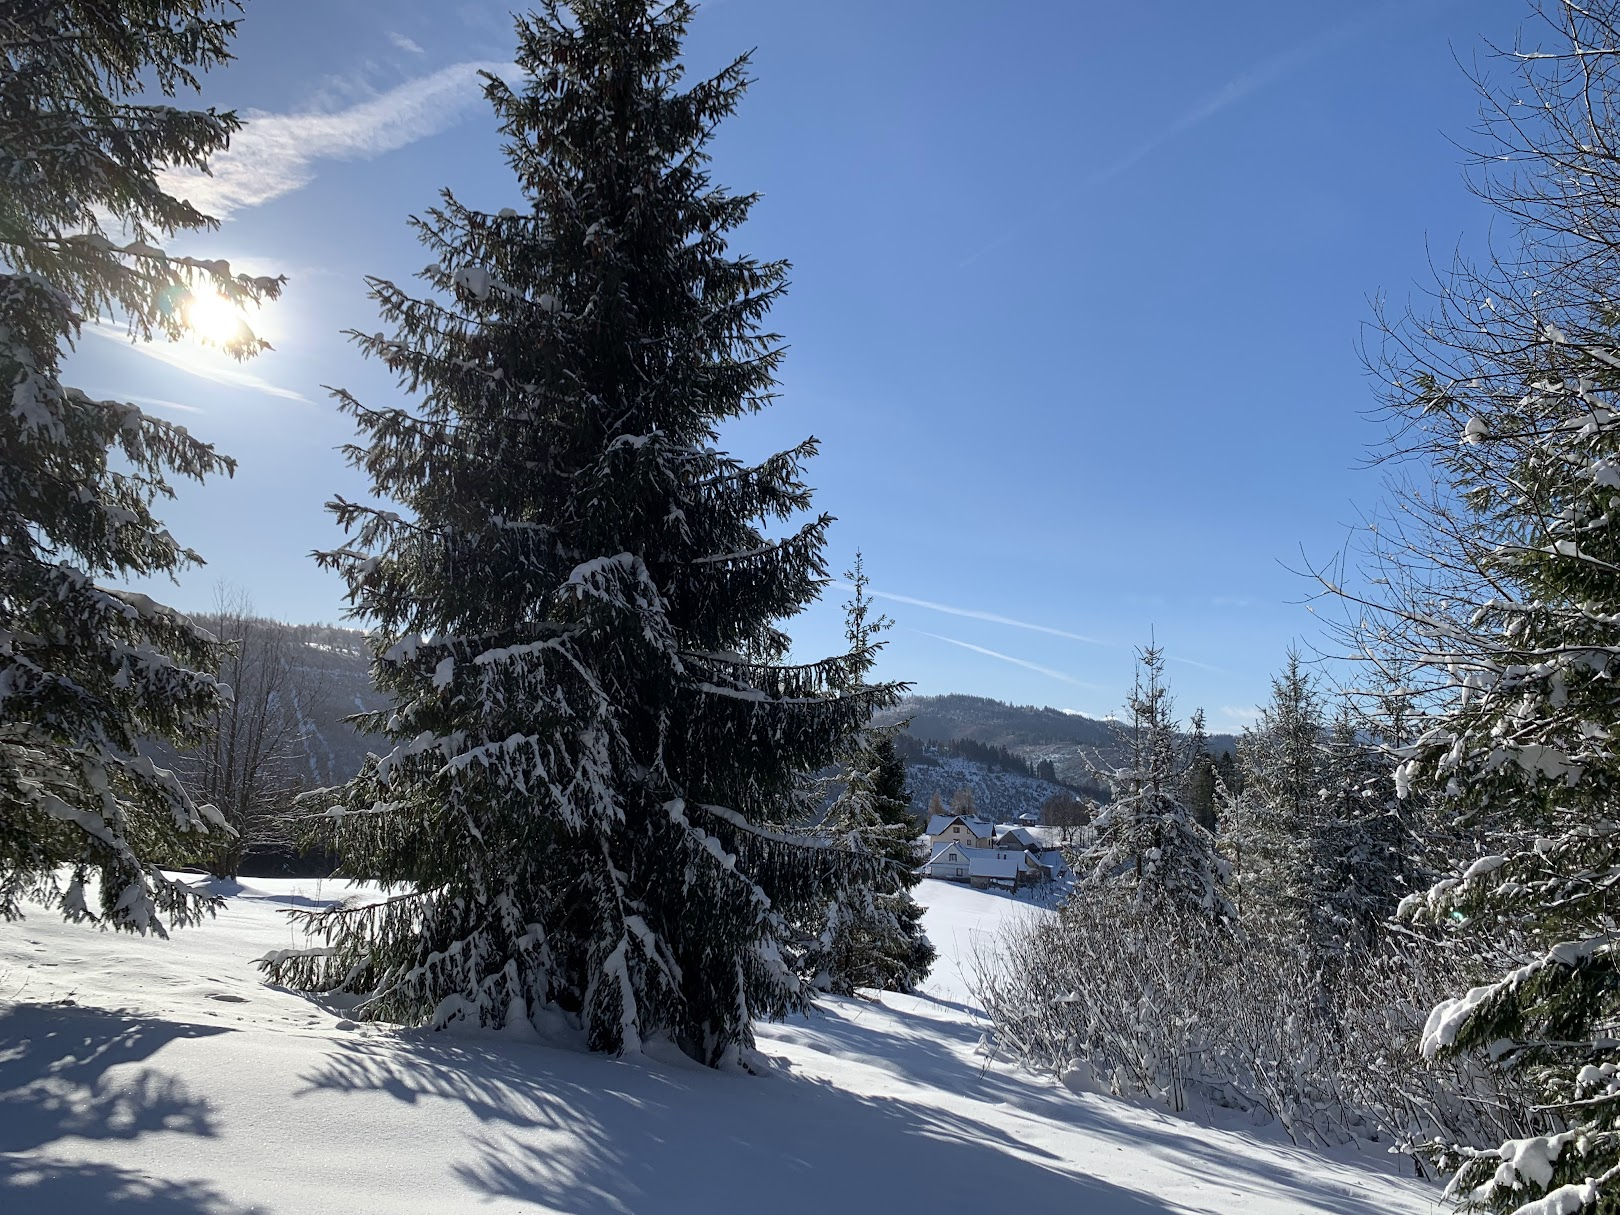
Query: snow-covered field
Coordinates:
[151,1076]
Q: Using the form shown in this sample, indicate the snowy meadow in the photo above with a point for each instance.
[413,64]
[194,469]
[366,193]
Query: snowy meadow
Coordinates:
[141,1075]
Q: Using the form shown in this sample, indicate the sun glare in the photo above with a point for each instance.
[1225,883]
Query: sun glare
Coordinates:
[214,319]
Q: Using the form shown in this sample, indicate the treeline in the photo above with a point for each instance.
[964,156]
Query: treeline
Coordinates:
[1245,961]
[921,751]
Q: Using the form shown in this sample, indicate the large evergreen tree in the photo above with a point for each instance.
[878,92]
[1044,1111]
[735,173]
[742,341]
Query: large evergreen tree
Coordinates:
[87,669]
[576,596]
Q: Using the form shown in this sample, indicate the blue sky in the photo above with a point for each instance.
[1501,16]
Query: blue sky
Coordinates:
[1076,299]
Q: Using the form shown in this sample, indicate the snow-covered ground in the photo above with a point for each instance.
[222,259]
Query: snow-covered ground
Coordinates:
[151,1076]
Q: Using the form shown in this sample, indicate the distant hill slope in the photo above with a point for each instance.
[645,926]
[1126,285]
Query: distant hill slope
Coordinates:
[332,669]
[997,794]
[1071,741]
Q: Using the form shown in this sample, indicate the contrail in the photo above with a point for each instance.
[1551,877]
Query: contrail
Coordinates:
[972,614]
[1263,74]
[1017,662]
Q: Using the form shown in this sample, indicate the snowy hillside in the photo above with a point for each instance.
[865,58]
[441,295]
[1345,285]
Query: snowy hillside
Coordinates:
[335,668]
[996,794]
[150,1076]
[326,675]
[1072,741]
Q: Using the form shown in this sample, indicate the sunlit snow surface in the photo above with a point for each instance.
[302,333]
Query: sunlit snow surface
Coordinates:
[151,1076]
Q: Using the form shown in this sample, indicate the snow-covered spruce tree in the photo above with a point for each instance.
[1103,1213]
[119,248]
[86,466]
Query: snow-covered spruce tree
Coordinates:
[1198,777]
[1369,852]
[1500,591]
[871,934]
[85,669]
[1276,830]
[1146,837]
[575,603]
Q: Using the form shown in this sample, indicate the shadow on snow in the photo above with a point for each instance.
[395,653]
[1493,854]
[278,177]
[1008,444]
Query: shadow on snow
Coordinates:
[596,1136]
[54,1085]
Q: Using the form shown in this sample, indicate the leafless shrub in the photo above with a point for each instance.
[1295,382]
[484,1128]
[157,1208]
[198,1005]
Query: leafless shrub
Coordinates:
[1143,1000]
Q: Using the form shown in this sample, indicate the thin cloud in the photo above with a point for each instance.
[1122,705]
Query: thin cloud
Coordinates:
[1240,714]
[973,614]
[208,367]
[404,43]
[155,402]
[1017,662]
[1241,86]
[1193,662]
[275,154]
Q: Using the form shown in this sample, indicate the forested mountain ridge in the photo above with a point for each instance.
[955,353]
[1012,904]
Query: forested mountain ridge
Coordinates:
[1071,741]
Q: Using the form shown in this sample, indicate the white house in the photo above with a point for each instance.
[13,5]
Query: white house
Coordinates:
[950,861]
[1006,868]
[959,829]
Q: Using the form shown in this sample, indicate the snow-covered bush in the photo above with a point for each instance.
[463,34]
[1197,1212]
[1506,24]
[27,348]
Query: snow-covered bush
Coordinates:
[1155,1001]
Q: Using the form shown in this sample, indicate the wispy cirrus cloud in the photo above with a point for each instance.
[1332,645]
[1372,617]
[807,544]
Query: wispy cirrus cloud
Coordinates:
[1246,83]
[194,361]
[405,44]
[951,609]
[1240,714]
[973,614]
[275,154]
[1193,662]
[1017,662]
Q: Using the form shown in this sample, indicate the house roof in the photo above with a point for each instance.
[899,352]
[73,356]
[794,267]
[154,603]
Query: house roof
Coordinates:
[994,863]
[942,854]
[938,824]
[1023,835]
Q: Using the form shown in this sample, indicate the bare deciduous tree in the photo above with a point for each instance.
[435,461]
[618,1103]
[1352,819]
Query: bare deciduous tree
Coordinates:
[1067,813]
[250,762]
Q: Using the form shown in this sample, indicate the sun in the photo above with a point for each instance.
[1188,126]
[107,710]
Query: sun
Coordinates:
[213,319]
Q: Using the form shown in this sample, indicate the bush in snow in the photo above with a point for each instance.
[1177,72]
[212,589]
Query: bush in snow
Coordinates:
[87,670]
[598,748]
[1154,1000]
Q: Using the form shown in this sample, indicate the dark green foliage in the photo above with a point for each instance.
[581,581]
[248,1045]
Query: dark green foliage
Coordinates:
[86,671]
[871,932]
[872,935]
[598,752]
[1370,844]
[1198,781]
[1146,838]
[1275,830]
